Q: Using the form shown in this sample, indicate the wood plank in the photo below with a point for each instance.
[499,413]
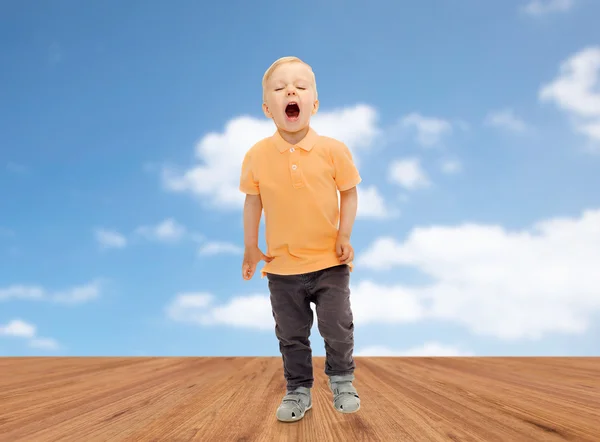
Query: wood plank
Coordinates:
[234,399]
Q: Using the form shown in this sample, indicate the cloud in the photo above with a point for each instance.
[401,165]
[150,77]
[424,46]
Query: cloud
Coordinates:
[408,173]
[576,91]
[376,303]
[73,295]
[538,8]
[496,282]
[168,230]
[20,329]
[372,303]
[251,311]
[429,130]
[215,178]
[451,167]
[44,344]
[218,248]
[110,239]
[506,119]
[429,349]
[371,204]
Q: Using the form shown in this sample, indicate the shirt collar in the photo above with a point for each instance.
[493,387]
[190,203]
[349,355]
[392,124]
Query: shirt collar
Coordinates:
[306,143]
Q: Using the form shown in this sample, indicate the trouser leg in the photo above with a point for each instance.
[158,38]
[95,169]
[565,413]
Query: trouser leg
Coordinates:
[331,293]
[293,322]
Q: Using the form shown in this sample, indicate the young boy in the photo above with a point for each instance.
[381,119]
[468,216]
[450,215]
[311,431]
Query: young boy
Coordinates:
[295,176]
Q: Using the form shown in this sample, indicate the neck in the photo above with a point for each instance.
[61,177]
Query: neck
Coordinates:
[293,137]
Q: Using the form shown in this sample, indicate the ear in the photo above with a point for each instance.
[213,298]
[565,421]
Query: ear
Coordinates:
[315,107]
[266,111]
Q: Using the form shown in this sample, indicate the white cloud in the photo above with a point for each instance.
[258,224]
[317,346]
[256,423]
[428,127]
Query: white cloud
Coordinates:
[77,295]
[44,344]
[168,230]
[110,239]
[215,178]
[371,204]
[17,291]
[355,126]
[451,167]
[542,7]
[20,329]
[508,284]
[73,295]
[218,248]
[430,130]
[429,349]
[371,303]
[375,303]
[253,311]
[576,91]
[408,173]
[506,119]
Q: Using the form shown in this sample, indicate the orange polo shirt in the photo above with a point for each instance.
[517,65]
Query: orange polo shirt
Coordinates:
[298,186]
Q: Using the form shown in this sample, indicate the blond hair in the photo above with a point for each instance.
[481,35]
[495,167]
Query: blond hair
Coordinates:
[278,63]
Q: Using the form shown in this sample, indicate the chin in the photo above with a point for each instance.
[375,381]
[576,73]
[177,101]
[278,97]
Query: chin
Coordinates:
[292,126]
[296,126]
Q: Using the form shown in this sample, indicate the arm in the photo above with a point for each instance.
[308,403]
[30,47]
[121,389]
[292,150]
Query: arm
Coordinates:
[252,213]
[348,208]
[252,254]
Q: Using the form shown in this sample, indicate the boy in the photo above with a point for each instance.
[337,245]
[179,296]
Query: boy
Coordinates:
[294,176]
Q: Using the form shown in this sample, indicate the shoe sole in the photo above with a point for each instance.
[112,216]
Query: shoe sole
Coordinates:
[294,419]
[346,411]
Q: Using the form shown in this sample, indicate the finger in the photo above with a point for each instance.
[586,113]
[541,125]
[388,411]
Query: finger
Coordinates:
[345,253]
[247,271]
[348,255]
[339,249]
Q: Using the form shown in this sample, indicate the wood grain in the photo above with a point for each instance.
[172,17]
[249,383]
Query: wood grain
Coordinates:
[234,399]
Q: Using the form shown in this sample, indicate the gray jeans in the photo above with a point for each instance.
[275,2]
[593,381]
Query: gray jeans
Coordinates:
[291,296]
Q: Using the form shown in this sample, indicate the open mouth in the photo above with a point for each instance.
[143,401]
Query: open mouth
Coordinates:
[292,111]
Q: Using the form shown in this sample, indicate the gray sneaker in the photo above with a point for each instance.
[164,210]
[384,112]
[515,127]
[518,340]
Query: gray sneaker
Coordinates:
[294,404]
[345,396]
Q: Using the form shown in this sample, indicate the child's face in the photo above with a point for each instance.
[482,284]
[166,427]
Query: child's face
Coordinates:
[290,97]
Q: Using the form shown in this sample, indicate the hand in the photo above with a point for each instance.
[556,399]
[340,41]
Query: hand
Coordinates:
[252,256]
[344,250]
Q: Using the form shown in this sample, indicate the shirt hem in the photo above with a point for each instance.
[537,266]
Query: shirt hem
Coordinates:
[305,268]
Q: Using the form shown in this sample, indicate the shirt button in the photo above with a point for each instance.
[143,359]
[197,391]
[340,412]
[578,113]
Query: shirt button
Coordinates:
[292,149]
[294,167]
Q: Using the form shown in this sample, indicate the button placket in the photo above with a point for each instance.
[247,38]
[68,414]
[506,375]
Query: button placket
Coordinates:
[295,169]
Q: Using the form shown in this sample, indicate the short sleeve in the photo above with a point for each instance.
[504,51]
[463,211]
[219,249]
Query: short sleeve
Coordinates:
[346,173]
[248,182]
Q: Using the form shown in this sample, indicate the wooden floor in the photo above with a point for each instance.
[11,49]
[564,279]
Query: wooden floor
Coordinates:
[234,399]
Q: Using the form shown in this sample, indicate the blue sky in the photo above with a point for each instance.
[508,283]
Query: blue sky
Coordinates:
[476,128]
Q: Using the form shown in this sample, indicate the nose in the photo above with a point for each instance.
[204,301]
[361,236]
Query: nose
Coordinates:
[291,91]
